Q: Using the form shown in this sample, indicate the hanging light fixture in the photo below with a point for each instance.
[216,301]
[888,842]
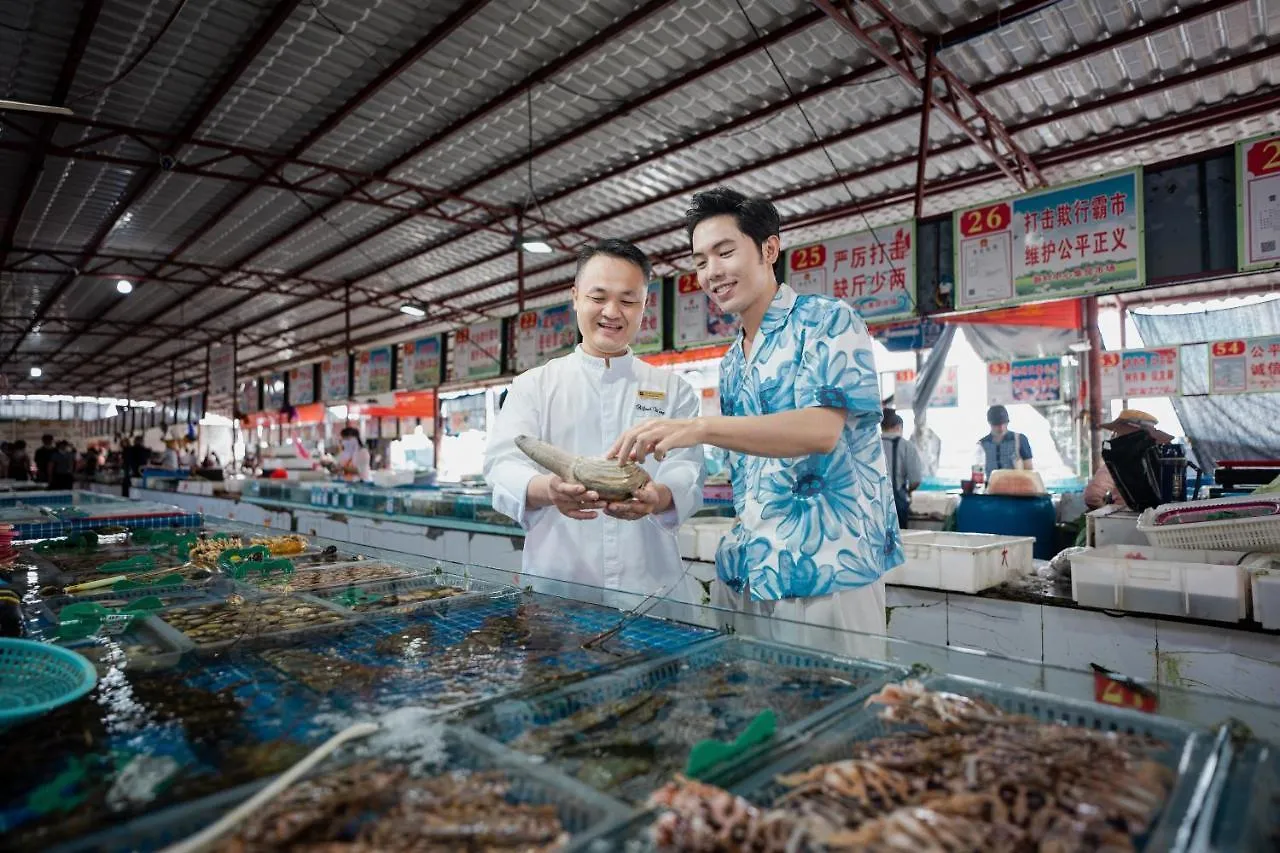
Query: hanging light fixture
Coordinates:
[124,286]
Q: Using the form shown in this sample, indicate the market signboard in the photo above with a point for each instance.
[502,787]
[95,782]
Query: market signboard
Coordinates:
[1258,202]
[373,371]
[1249,365]
[874,271]
[302,385]
[543,334]
[946,394]
[335,377]
[247,396]
[222,369]
[1141,373]
[1054,243]
[273,392]
[1025,380]
[699,322]
[476,351]
[420,363]
[649,338]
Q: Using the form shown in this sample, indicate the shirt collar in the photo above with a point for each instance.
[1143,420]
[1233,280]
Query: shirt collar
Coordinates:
[599,365]
[779,309]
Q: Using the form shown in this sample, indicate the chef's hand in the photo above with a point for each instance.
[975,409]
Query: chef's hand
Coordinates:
[652,498]
[658,436]
[572,499]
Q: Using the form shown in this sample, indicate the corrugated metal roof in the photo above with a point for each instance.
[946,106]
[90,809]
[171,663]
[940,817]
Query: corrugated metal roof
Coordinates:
[617,178]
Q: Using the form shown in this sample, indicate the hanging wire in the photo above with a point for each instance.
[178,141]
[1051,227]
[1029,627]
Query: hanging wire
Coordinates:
[137,60]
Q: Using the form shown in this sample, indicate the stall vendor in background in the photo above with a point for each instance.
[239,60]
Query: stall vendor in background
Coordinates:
[579,403]
[1002,448]
[800,414]
[1102,487]
[353,460]
[905,469]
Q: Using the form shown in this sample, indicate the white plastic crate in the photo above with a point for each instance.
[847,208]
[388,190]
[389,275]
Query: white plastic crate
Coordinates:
[688,538]
[1210,585]
[710,532]
[1265,584]
[1241,534]
[961,562]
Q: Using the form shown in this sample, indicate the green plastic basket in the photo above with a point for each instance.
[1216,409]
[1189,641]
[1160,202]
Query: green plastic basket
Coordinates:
[37,677]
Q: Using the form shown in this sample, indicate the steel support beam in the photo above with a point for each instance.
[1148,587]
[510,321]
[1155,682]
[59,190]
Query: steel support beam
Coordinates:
[922,147]
[957,103]
[142,182]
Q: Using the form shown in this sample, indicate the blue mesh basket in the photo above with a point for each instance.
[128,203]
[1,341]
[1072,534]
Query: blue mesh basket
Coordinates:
[37,677]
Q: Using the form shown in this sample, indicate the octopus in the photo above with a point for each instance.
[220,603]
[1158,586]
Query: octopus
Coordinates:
[702,818]
[910,702]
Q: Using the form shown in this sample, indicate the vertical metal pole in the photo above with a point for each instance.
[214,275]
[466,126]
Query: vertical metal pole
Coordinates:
[922,150]
[1124,321]
[1095,382]
[520,263]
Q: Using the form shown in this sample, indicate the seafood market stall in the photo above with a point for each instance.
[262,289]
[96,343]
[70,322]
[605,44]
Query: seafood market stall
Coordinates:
[530,714]
[53,513]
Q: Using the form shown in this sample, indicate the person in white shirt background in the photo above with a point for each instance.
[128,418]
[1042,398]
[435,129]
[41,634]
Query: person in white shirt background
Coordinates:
[353,461]
[581,402]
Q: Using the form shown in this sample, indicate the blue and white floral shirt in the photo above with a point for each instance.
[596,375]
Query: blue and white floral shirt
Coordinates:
[810,525]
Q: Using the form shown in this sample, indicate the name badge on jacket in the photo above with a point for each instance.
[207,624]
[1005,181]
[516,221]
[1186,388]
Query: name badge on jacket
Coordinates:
[651,404]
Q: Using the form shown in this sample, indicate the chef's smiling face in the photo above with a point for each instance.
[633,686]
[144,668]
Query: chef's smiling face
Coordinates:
[608,298]
[735,271]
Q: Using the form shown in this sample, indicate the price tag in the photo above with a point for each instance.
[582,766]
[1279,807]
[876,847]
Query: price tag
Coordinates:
[1111,688]
[114,624]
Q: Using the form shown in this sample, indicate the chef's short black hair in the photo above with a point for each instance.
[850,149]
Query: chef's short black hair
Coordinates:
[756,216]
[615,248]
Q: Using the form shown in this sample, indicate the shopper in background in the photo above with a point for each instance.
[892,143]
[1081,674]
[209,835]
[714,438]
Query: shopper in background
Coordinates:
[579,403]
[800,414]
[1002,448]
[19,462]
[169,460]
[4,458]
[44,453]
[1102,487]
[62,466]
[905,468]
[353,461]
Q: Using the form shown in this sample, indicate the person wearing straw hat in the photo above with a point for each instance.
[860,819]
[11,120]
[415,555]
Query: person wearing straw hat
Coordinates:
[1102,487]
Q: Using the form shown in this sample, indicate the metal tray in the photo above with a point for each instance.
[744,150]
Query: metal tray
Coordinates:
[472,590]
[126,651]
[261,639]
[579,808]
[1245,809]
[753,675]
[1189,750]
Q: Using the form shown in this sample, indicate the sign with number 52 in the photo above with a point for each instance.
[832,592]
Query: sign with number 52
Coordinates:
[1258,202]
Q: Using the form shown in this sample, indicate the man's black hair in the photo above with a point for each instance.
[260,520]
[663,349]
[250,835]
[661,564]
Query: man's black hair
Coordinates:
[756,216]
[47,438]
[615,248]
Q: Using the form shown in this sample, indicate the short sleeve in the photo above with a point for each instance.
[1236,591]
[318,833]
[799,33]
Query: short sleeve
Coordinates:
[1024,447]
[838,369]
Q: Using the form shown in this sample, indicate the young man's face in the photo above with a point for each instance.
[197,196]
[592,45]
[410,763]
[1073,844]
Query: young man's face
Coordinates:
[998,431]
[608,298]
[734,271]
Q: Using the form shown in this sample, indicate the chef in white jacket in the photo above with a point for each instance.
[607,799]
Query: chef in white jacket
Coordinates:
[580,403]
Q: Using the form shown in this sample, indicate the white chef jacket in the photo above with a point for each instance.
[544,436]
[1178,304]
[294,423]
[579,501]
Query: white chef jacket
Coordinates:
[581,404]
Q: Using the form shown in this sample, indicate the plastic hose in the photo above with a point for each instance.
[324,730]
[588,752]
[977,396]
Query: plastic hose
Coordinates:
[236,816]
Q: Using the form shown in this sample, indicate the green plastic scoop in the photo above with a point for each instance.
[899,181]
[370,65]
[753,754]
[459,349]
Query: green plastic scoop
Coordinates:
[709,753]
[140,563]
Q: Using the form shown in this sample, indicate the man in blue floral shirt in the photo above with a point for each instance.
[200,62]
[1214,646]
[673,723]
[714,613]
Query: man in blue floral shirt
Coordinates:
[800,413]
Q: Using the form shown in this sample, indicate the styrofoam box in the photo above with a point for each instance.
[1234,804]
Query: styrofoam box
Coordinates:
[710,532]
[961,562]
[1210,585]
[688,537]
[1266,596]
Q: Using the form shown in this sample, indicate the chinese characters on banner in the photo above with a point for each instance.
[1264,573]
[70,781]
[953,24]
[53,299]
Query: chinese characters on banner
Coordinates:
[874,271]
[1065,241]
[222,369]
[1141,373]
[420,363]
[1258,201]
[335,377]
[698,321]
[543,334]
[476,351]
[946,394]
[1237,367]
[649,338]
[373,371]
[273,392]
[247,396]
[1027,380]
[302,385]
